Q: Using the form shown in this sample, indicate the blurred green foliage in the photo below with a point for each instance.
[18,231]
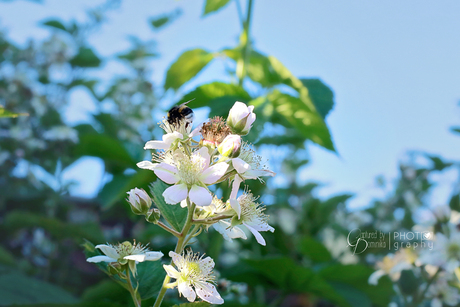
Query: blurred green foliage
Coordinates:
[306,261]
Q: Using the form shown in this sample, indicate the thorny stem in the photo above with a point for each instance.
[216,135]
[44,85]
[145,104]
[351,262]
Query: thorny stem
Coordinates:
[136,301]
[179,248]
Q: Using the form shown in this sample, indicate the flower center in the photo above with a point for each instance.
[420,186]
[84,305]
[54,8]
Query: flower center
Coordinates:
[189,168]
[251,210]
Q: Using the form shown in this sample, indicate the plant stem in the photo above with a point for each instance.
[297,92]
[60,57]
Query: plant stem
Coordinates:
[136,302]
[179,248]
[213,219]
[245,42]
[170,230]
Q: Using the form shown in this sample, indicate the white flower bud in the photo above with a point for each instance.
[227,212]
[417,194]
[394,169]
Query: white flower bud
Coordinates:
[240,118]
[139,201]
[230,146]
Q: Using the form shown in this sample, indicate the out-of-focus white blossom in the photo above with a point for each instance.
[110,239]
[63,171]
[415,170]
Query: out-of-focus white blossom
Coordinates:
[61,133]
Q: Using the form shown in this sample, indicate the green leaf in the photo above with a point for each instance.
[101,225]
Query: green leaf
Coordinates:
[85,58]
[16,288]
[106,290]
[194,304]
[59,229]
[6,113]
[214,5]
[438,163]
[357,276]
[353,296]
[314,250]
[174,214]
[54,23]
[160,21]
[6,257]
[116,189]
[305,119]
[150,275]
[408,282]
[187,66]
[321,95]
[219,96]
[105,147]
[454,202]
[455,129]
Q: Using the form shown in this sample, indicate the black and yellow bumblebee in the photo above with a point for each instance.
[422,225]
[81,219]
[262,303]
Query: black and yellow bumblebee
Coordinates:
[179,113]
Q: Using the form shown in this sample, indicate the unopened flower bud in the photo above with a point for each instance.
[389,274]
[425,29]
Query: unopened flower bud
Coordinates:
[153,216]
[139,201]
[230,147]
[114,268]
[240,118]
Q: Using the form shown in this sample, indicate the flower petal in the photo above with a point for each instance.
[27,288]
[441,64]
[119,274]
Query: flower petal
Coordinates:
[183,203]
[171,271]
[214,173]
[202,154]
[240,166]
[260,225]
[200,196]
[235,186]
[256,173]
[108,251]
[147,165]
[153,256]
[101,258]
[228,232]
[207,292]
[196,131]
[374,277]
[256,234]
[167,173]
[156,145]
[187,291]
[138,258]
[236,206]
[206,265]
[175,194]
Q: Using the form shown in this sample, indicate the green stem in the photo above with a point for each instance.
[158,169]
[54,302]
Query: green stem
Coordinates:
[245,42]
[179,248]
[170,230]
[420,297]
[213,219]
[136,302]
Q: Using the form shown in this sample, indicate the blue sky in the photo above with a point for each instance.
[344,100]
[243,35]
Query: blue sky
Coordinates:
[394,67]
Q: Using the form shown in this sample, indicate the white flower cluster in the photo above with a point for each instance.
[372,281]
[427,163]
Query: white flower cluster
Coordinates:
[190,166]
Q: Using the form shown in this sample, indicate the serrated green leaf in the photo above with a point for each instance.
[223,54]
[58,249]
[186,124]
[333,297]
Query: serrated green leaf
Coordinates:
[187,66]
[54,23]
[150,275]
[174,214]
[85,58]
[6,113]
[314,250]
[214,5]
[16,288]
[303,118]
[321,95]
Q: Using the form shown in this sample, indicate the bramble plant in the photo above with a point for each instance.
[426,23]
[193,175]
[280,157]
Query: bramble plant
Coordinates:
[191,167]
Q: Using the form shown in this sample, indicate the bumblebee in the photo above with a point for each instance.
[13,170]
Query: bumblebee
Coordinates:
[179,113]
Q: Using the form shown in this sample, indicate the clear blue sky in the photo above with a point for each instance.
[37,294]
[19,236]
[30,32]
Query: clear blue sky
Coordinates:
[394,67]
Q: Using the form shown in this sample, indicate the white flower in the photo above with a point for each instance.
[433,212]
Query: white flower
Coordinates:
[442,213]
[392,265]
[139,201]
[445,252]
[173,133]
[240,118]
[190,175]
[252,216]
[125,253]
[61,133]
[193,277]
[248,166]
